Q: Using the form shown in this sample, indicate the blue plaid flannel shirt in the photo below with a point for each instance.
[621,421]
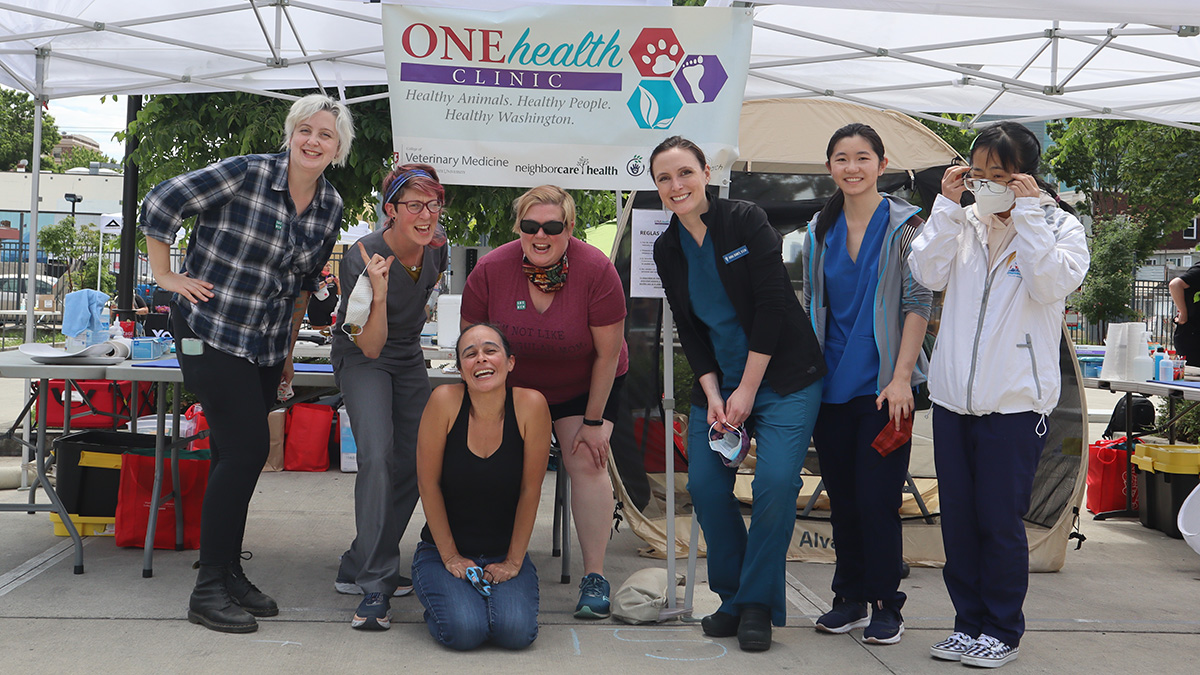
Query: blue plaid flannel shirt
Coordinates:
[250,244]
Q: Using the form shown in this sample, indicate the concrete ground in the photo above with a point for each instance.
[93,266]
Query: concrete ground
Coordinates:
[1128,601]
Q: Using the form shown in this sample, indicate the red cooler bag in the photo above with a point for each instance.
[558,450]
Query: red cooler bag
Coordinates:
[306,437]
[133,501]
[1106,477]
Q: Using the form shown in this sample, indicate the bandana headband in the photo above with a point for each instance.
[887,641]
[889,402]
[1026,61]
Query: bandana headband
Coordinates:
[403,178]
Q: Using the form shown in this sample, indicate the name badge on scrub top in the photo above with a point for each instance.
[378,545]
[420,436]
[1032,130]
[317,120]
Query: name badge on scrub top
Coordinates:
[734,255]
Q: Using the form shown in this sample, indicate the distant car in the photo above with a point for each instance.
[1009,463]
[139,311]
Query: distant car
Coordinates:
[13,287]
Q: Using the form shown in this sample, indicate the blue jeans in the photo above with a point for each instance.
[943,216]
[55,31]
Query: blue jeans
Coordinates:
[460,618]
[747,567]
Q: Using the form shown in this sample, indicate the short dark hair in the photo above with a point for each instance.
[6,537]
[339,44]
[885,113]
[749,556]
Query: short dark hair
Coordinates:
[458,343]
[681,143]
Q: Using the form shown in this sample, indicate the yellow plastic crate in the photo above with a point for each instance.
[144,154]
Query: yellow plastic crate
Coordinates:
[88,526]
[1184,459]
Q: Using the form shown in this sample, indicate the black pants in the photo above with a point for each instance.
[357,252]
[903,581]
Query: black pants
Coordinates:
[864,500]
[236,395]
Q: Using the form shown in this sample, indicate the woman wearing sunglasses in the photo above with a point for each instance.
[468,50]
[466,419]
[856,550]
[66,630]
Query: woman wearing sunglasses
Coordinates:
[561,305]
[870,317]
[1006,264]
[757,363]
[380,368]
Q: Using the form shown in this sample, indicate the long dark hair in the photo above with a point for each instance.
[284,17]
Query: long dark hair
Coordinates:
[1018,151]
[833,206]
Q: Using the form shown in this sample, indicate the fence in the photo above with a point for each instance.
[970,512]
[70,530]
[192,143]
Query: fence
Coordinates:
[1150,301]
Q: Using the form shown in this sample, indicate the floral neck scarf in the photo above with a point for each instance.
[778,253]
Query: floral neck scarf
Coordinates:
[547,279]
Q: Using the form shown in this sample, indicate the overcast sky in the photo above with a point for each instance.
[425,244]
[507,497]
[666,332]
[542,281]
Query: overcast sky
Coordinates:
[88,116]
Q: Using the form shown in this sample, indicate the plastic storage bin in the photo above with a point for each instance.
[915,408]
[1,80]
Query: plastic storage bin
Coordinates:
[89,469]
[1170,474]
[86,526]
[1089,366]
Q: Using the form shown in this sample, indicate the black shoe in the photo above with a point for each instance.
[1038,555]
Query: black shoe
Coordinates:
[886,626]
[246,594]
[720,625]
[845,616]
[754,629]
[212,607]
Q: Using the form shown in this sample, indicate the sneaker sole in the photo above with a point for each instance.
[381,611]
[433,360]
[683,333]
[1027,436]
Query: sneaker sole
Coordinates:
[221,627]
[986,663]
[885,641]
[838,630]
[946,654]
[350,588]
[588,613]
[370,623]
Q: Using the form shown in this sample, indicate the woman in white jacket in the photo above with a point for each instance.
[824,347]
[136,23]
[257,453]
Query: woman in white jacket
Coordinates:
[1006,265]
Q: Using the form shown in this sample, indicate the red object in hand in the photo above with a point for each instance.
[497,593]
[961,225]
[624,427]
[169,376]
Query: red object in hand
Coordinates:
[891,438]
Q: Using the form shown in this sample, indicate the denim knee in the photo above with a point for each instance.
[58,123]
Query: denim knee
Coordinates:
[515,632]
[461,631]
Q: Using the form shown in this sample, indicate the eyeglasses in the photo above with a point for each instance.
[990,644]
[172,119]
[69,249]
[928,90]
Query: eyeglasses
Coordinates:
[977,184]
[552,227]
[414,206]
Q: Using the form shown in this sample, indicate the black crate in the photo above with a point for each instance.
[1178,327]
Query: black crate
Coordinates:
[1170,489]
[87,490]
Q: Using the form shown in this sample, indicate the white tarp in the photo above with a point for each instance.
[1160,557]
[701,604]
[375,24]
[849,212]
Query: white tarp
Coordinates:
[572,96]
[986,58]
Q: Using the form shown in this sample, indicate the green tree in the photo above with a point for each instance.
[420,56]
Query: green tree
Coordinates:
[179,133]
[954,131]
[78,157]
[79,247]
[1108,286]
[1149,171]
[16,129]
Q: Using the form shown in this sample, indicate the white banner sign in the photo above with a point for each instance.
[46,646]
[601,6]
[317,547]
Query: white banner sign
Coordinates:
[572,96]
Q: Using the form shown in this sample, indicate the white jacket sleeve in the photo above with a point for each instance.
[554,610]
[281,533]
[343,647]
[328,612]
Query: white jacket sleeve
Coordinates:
[1053,257]
[934,248]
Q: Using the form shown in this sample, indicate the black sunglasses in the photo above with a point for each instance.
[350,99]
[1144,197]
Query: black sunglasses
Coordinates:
[552,227]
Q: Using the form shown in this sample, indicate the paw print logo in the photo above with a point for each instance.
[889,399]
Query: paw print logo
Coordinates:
[656,52]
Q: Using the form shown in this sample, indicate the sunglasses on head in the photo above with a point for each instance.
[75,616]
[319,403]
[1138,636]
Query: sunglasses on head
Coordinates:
[551,227]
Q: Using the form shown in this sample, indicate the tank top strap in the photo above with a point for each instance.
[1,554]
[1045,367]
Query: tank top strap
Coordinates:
[458,432]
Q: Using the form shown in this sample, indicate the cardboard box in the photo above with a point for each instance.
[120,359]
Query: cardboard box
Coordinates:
[45,302]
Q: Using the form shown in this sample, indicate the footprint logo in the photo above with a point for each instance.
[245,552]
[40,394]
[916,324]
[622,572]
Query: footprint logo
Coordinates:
[692,72]
[700,78]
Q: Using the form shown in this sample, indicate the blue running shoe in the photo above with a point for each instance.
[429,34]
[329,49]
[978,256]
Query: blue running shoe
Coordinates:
[593,598]
[373,613]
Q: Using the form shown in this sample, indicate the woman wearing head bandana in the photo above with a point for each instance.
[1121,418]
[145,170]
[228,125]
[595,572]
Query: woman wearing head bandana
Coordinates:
[379,366]
[566,322]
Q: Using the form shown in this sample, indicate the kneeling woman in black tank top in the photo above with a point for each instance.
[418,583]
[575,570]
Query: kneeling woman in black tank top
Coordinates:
[481,457]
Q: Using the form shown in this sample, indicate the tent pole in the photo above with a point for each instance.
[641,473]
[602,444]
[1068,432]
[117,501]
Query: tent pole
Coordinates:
[31,271]
[668,327]
[129,204]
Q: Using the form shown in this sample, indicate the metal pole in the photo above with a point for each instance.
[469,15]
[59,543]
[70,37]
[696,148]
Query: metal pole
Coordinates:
[668,327]
[31,272]
[129,211]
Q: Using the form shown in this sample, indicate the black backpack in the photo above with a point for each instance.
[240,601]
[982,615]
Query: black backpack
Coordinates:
[1143,416]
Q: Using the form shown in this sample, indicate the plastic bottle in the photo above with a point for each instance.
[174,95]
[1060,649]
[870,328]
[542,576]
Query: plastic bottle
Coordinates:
[1171,358]
[1160,355]
[1166,370]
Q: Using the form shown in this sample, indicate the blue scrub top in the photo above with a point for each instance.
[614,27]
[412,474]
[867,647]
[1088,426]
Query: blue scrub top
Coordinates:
[710,304]
[850,351]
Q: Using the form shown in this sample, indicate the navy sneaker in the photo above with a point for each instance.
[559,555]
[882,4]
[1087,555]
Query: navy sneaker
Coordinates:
[845,616]
[593,598]
[885,628]
[373,613]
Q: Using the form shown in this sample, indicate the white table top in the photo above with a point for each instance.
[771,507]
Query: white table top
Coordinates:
[15,364]
[1149,388]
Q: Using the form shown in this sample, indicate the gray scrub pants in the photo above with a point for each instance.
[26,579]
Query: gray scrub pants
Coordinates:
[385,399]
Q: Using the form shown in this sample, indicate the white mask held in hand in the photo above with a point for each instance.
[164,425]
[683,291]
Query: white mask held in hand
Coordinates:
[992,197]
[358,306]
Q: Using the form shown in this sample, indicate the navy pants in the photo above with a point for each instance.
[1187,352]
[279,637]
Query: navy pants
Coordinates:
[864,491]
[747,566]
[985,467]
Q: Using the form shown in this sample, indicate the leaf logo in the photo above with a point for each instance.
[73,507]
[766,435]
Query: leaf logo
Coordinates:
[649,106]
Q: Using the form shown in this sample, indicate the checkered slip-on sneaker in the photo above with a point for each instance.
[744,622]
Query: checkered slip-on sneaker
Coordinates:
[988,652]
[952,648]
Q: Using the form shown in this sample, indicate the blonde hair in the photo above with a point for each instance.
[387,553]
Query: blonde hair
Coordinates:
[544,194]
[312,104]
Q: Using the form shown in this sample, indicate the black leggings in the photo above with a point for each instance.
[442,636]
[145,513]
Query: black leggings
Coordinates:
[236,395]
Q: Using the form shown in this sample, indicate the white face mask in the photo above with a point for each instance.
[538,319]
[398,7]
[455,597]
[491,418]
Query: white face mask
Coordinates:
[358,306]
[988,201]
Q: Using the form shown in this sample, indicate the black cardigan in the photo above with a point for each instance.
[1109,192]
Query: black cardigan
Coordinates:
[757,284]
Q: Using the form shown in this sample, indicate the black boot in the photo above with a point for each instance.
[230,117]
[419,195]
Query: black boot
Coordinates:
[211,606]
[246,594]
[754,630]
[720,624]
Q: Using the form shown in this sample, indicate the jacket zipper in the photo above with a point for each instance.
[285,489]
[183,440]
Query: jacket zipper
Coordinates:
[987,290]
[1033,362]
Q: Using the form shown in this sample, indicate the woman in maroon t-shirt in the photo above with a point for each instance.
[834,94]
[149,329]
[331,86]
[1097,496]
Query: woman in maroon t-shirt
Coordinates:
[568,333]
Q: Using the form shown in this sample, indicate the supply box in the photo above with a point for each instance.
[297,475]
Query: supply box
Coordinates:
[1167,474]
